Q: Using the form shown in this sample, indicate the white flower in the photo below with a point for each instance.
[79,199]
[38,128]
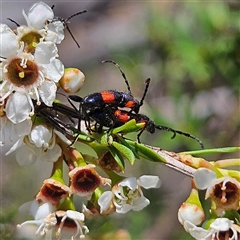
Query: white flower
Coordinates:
[127,195]
[40,144]
[52,191]
[42,214]
[55,31]
[220,227]
[40,18]
[84,180]
[38,14]
[26,75]
[71,221]
[18,131]
[14,132]
[224,191]
[47,218]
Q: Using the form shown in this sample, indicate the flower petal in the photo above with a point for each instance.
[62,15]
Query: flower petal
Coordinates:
[221,224]
[55,31]
[196,232]
[140,203]
[45,52]
[40,211]
[8,42]
[18,107]
[52,155]
[38,14]
[15,146]
[123,208]
[23,128]
[75,215]
[41,136]
[25,156]
[147,181]
[54,70]
[47,92]
[130,182]
[105,201]
[203,178]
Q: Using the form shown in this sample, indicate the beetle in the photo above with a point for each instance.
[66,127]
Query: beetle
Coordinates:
[119,117]
[56,116]
[108,99]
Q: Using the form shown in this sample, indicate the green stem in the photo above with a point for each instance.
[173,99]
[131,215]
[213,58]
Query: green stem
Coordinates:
[57,171]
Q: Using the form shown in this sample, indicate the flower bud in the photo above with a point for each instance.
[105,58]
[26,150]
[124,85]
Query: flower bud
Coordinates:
[72,80]
[191,210]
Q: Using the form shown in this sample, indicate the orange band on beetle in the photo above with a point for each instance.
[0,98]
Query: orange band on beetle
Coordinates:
[108,97]
[130,104]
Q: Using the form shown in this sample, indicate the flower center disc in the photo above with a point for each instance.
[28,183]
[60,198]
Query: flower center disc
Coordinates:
[30,40]
[22,76]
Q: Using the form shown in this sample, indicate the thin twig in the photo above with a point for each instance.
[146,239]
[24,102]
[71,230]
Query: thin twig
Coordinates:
[173,161]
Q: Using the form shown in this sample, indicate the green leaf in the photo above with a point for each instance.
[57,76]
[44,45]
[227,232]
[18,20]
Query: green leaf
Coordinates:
[98,148]
[146,152]
[117,156]
[105,139]
[84,137]
[130,126]
[125,151]
[125,143]
[213,150]
[206,203]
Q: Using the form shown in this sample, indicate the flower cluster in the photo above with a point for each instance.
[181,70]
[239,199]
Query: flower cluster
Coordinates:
[216,215]
[36,124]
[31,74]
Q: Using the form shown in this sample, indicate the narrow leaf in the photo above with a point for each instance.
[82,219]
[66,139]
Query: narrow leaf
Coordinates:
[117,156]
[125,151]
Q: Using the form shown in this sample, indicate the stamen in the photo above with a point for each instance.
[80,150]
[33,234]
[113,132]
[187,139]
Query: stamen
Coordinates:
[21,74]
[45,146]
[79,229]
[24,62]
[3,84]
[58,233]
[37,96]
[224,184]
[5,96]
[39,228]
[223,199]
[34,44]
[31,104]
[21,47]
[53,141]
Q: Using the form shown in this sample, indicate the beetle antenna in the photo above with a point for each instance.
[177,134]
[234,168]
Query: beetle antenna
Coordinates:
[18,25]
[123,74]
[147,82]
[181,133]
[75,14]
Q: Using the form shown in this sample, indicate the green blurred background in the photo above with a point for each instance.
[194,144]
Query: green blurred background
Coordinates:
[190,50]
